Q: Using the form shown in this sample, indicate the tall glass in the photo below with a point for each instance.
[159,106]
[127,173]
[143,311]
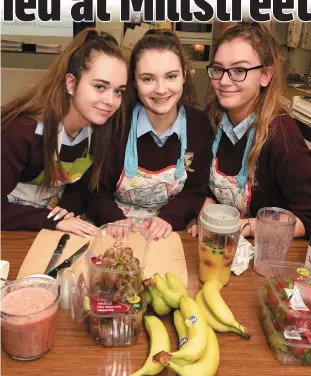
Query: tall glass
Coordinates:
[28,313]
[273,236]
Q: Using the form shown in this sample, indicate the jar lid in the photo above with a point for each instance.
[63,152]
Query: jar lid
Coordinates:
[221,219]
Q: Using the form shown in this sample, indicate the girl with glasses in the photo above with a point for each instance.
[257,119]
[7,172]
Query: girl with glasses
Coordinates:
[55,137]
[259,156]
[159,169]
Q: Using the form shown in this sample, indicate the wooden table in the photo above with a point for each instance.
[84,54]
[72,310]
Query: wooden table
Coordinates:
[74,352]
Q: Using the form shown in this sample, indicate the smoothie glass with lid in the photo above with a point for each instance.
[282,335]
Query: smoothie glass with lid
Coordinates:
[28,313]
[219,231]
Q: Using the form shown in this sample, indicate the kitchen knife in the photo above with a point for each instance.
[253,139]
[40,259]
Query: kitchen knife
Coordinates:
[68,262]
[57,253]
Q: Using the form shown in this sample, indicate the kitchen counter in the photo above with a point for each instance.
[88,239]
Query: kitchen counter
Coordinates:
[293,92]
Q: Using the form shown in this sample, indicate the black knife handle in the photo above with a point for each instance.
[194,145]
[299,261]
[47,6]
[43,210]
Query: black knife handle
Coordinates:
[62,242]
[65,264]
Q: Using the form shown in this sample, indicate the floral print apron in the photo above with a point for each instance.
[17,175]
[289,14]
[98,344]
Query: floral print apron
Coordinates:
[141,193]
[33,193]
[232,190]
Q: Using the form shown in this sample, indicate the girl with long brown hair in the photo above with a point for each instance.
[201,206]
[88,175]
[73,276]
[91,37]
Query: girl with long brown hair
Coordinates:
[57,131]
[259,156]
[159,175]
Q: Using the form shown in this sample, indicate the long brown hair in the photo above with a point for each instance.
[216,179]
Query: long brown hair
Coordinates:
[270,102]
[162,39]
[49,101]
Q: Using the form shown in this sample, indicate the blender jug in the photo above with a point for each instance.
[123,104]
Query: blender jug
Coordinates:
[219,231]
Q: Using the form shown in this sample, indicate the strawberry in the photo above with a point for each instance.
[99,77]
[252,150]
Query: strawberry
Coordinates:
[298,351]
[228,263]
[294,318]
[272,298]
[208,263]
[282,284]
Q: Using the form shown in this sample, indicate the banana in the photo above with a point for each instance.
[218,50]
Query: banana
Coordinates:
[211,319]
[158,304]
[159,340]
[171,297]
[218,307]
[194,348]
[181,329]
[147,296]
[175,283]
[207,365]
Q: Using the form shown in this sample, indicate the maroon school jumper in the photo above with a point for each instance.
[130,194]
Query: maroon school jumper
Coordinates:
[181,209]
[283,175]
[22,161]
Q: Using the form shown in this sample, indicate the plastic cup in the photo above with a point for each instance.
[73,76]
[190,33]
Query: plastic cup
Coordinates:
[274,233]
[28,313]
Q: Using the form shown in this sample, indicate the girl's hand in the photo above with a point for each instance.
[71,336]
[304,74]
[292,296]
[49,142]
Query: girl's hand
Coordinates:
[193,230]
[248,227]
[158,228]
[77,226]
[59,213]
[119,232]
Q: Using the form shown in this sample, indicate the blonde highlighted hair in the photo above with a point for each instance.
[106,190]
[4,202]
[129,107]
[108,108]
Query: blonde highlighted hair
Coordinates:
[270,102]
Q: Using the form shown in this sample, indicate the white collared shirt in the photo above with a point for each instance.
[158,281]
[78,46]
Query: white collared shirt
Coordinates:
[144,126]
[236,133]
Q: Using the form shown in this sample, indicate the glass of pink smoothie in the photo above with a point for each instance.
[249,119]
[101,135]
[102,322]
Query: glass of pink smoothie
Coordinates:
[28,313]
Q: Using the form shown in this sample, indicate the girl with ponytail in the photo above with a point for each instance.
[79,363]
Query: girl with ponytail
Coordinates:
[57,132]
[259,155]
[159,175]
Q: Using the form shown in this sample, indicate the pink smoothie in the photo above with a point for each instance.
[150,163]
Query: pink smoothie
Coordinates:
[29,332]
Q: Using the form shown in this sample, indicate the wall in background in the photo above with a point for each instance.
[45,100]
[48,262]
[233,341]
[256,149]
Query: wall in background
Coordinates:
[299,61]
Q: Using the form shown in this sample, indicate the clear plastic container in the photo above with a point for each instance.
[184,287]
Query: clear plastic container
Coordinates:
[117,329]
[115,324]
[116,270]
[219,231]
[288,346]
[288,288]
[109,296]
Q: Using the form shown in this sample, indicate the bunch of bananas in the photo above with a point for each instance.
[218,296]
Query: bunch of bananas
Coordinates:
[216,312]
[198,354]
[195,322]
[164,294]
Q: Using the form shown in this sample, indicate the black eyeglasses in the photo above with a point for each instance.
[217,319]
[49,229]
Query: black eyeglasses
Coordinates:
[235,74]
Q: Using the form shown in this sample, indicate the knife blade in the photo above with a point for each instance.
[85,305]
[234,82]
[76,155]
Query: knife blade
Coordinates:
[57,253]
[68,262]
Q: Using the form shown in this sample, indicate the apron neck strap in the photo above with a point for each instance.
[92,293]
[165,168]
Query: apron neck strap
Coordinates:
[131,156]
[243,173]
[180,166]
[216,142]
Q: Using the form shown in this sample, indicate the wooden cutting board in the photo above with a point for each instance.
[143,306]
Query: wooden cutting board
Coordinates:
[165,255]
